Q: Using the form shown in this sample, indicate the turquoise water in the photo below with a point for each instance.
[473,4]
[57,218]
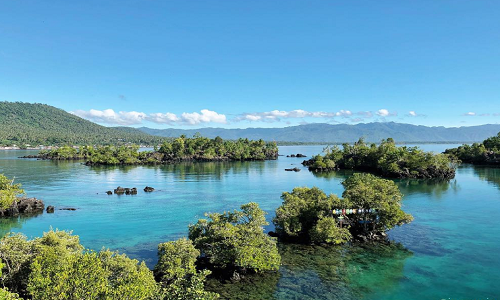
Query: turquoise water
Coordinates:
[450,251]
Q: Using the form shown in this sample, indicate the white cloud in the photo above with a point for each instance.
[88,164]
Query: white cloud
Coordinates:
[206,116]
[383,112]
[109,116]
[163,118]
[412,113]
[277,115]
[470,113]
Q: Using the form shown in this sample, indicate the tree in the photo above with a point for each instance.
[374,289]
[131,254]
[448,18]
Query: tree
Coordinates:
[16,253]
[4,292]
[176,271]
[9,192]
[386,159]
[367,191]
[236,240]
[309,215]
[56,266]
[305,215]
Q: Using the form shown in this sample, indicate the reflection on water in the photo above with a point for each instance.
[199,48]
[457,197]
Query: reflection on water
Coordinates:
[317,272]
[489,174]
[192,170]
[432,187]
[10,224]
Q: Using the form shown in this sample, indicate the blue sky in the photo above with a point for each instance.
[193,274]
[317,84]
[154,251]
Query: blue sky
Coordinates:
[255,63]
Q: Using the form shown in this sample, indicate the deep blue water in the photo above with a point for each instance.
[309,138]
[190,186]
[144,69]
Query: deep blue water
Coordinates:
[451,250]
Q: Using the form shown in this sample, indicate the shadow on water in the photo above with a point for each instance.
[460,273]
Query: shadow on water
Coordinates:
[317,272]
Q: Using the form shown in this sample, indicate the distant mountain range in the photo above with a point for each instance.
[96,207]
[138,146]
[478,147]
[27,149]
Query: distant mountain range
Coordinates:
[35,124]
[339,133]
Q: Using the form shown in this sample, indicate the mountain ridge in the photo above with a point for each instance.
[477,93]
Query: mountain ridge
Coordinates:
[339,133]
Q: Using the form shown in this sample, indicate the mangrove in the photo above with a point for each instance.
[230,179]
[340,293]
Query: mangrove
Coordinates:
[177,150]
[386,159]
[485,153]
[369,207]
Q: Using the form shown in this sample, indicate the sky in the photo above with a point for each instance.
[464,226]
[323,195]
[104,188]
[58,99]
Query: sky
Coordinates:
[259,63]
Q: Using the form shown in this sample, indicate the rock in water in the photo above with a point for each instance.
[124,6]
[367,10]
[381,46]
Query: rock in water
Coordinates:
[148,189]
[109,192]
[50,209]
[29,206]
[119,190]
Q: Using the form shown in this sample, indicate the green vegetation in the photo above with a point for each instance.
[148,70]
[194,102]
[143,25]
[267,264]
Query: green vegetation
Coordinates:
[386,160]
[9,192]
[236,240]
[309,215]
[56,266]
[176,270]
[485,153]
[180,149]
[25,124]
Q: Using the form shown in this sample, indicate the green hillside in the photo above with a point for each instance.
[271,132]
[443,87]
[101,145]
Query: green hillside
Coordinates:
[40,124]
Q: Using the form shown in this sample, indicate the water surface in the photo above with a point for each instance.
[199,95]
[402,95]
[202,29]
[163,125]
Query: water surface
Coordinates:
[449,251]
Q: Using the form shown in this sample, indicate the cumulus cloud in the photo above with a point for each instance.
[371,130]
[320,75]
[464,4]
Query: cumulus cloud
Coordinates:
[163,118]
[206,116]
[277,115]
[383,112]
[412,113]
[109,116]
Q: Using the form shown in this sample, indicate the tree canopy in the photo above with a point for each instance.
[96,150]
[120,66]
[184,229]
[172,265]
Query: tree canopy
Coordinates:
[180,149]
[8,191]
[236,240]
[56,266]
[373,205]
[485,153]
[176,270]
[386,159]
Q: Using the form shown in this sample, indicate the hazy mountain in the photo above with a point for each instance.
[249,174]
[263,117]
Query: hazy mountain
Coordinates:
[373,132]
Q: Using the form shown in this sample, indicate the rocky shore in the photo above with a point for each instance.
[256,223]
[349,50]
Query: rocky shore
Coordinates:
[23,206]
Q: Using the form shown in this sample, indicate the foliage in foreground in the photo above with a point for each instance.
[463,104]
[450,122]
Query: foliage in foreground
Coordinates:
[236,240]
[56,266]
[180,149]
[176,270]
[386,159]
[485,153]
[307,214]
[8,192]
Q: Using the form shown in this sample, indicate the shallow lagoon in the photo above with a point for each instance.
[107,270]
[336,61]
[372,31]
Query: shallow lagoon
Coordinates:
[451,250]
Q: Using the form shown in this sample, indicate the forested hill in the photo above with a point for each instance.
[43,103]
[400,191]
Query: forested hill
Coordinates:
[41,124]
[340,133]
